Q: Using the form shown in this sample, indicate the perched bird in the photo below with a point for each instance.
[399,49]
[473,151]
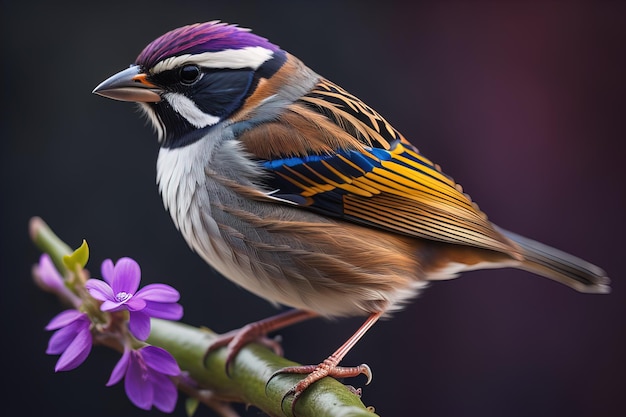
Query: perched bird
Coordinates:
[298,191]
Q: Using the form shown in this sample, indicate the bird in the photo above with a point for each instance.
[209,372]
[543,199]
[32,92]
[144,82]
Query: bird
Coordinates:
[301,193]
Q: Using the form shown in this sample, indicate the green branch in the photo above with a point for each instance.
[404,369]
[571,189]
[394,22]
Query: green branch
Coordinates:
[248,382]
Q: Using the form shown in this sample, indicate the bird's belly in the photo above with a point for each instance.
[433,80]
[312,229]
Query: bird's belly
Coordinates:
[303,260]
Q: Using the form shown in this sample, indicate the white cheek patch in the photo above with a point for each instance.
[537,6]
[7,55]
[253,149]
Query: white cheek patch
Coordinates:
[249,57]
[187,108]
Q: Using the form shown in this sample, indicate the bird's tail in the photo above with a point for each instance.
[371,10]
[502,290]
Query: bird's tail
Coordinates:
[560,266]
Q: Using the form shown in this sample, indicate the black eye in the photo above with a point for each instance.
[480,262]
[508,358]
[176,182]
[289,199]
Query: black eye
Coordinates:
[189,74]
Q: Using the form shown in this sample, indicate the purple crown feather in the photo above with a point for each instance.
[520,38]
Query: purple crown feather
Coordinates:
[197,38]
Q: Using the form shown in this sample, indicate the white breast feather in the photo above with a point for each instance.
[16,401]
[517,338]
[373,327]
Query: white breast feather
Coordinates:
[180,174]
[183,185]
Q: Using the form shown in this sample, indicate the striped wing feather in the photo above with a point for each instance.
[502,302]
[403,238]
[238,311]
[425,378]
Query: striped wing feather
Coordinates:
[352,164]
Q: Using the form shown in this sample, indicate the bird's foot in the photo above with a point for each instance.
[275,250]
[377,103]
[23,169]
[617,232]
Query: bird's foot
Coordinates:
[316,372]
[256,332]
[236,339]
[330,367]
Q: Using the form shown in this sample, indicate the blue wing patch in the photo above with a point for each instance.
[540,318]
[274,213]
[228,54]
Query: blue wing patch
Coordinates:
[321,181]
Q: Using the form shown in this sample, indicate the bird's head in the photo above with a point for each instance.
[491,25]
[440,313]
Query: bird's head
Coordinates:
[194,77]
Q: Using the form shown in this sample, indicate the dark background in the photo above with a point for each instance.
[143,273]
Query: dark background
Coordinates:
[522,103]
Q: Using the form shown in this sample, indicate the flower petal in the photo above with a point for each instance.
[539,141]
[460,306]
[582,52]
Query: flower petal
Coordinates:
[135,304]
[106,270]
[61,339]
[162,293]
[120,368]
[165,393]
[160,360]
[127,275]
[112,306]
[99,290]
[64,318]
[48,273]
[76,352]
[167,311]
[139,324]
[137,385]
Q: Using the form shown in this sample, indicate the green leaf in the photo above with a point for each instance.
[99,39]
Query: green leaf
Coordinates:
[78,258]
[191,405]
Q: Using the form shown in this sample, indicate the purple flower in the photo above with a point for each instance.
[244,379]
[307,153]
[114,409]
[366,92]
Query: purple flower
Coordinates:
[72,339]
[148,381]
[119,292]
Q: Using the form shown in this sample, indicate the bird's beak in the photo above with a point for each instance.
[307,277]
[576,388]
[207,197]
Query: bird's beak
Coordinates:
[129,85]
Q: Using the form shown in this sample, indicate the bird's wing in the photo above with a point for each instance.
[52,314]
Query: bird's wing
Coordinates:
[331,153]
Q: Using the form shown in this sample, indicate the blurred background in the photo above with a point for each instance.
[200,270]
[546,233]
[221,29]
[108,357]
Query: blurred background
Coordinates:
[521,102]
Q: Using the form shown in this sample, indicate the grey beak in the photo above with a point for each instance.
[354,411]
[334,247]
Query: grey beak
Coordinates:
[129,85]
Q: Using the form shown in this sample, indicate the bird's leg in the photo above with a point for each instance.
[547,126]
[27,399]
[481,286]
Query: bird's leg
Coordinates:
[330,366]
[256,332]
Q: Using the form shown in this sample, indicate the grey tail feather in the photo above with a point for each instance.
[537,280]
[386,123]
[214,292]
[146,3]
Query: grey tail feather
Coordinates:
[560,266]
